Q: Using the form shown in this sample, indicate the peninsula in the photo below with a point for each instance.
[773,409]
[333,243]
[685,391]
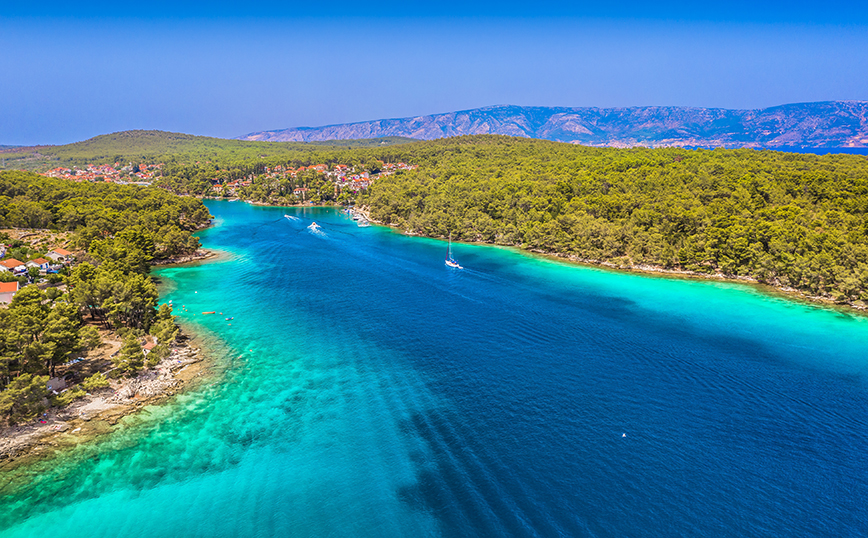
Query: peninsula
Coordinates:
[80,316]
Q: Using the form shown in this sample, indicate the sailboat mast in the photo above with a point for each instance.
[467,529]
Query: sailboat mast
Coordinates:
[449,261]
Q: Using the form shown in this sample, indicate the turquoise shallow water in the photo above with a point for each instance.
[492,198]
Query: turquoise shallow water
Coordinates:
[365,389]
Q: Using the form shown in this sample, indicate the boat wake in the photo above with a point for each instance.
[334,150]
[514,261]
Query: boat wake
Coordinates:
[316,229]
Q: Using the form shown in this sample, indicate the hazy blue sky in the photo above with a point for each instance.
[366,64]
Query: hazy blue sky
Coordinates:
[69,71]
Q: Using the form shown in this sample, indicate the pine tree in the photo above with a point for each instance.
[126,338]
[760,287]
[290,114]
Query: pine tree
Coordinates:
[24,398]
[131,358]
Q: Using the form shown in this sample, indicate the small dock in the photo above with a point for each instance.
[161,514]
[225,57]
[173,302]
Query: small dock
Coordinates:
[360,218]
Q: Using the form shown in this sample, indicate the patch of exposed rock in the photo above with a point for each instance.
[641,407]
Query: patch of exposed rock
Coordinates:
[124,397]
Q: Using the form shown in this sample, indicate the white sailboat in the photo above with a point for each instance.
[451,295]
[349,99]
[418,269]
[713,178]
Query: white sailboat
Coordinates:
[450,261]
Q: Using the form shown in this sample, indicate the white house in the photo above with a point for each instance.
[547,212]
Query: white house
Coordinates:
[7,291]
[40,263]
[59,255]
[149,345]
[14,266]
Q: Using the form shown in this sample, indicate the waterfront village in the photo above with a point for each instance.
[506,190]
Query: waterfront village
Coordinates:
[136,174]
[344,177]
[30,258]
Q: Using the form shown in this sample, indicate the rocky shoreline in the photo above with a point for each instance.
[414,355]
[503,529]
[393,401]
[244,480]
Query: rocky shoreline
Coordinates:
[96,414]
[201,254]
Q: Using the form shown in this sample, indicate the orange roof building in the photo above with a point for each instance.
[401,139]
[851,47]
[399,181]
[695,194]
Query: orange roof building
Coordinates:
[59,254]
[11,264]
[6,287]
[7,291]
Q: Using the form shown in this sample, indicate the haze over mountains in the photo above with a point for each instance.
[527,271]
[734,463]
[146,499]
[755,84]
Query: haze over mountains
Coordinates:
[829,124]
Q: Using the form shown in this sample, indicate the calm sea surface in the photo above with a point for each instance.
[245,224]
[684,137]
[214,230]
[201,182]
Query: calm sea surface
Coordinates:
[364,389]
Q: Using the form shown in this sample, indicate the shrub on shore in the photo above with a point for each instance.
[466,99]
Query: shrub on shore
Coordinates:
[95,382]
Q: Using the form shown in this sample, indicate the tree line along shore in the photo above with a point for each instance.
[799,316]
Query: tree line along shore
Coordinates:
[794,221]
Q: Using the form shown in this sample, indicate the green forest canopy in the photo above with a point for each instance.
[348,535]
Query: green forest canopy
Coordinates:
[119,230]
[795,220]
[791,220]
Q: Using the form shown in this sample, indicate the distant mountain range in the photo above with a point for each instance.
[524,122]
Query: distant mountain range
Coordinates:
[830,124]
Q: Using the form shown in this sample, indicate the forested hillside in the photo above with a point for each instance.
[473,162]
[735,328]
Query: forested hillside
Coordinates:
[98,210]
[787,219]
[118,232]
[790,220]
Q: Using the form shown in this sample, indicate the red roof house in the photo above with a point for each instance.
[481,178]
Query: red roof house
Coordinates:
[12,265]
[7,291]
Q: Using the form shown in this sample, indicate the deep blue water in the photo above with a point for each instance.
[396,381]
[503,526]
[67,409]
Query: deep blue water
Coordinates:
[365,389]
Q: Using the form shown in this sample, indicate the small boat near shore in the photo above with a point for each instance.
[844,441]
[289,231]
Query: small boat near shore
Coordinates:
[357,215]
[211,312]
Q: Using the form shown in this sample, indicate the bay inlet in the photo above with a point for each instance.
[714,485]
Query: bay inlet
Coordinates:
[366,389]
